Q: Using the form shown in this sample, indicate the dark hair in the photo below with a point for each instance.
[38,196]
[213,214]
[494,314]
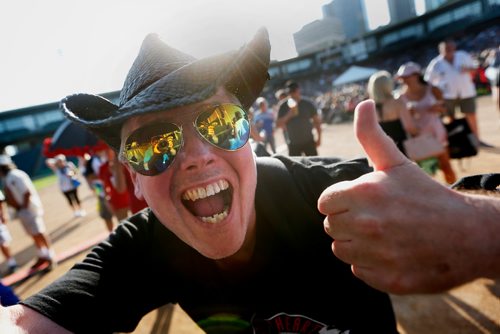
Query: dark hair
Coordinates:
[291,86]
[422,80]
[4,169]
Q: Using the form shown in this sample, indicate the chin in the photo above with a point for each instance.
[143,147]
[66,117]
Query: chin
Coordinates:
[221,247]
[219,254]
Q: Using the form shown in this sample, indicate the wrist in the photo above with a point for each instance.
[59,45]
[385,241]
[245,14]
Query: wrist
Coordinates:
[482,227]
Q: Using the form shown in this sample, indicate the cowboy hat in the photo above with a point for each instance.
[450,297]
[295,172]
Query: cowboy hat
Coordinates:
[163,78]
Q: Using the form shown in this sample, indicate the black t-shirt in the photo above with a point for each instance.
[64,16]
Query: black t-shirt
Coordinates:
[292,284]
[299,128]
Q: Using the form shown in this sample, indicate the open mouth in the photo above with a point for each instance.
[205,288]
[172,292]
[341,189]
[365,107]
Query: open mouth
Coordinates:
[211,203]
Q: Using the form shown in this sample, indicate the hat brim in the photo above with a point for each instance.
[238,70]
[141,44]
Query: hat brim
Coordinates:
[243,73]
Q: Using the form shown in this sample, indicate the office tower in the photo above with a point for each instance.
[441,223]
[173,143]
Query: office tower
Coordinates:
[401,10]
[351,14]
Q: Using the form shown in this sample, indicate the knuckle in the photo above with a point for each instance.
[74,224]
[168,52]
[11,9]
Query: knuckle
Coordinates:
[370,226]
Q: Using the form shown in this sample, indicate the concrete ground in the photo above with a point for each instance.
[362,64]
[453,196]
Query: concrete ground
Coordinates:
[472,308]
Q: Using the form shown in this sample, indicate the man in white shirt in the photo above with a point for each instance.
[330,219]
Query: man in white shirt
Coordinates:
[450,71]
[21,195]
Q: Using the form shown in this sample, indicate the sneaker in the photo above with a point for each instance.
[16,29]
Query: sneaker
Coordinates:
[42,264]
[485,145]
[12,268]
[80,213]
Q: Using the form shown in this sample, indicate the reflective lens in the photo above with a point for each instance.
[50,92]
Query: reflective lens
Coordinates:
[151,149]
[225,126]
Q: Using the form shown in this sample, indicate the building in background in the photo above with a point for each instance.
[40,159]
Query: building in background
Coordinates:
[433,4]
[401,10]
[318,35]
[23,131]
[352,16]
[415,38]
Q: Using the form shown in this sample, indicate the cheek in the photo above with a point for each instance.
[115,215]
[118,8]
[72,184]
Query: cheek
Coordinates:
[138,191]
[246,165]
[153,188]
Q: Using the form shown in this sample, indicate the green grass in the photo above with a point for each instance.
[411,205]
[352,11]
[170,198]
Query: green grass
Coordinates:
[44,181]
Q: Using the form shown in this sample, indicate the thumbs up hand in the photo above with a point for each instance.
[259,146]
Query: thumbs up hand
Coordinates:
[395,226]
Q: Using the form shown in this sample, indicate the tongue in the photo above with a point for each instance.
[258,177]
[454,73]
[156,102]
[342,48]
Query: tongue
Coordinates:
[206,207]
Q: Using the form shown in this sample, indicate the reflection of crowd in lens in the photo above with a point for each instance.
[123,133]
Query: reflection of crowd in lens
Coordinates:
[224,133]
[160,152]
[164,147]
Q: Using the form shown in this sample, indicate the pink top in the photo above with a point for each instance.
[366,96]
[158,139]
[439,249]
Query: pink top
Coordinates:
[426,120]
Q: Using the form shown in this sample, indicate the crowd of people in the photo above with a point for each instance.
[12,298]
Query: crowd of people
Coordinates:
[482,47]
[209,221]
[423,99]
[107,178]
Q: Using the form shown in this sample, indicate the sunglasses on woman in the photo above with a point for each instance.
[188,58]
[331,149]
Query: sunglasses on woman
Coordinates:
[150,150]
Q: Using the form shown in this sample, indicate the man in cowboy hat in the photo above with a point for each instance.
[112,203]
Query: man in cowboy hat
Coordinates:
[236,240]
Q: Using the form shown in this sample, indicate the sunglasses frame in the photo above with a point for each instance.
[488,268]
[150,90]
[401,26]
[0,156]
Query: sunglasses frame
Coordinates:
[212,108]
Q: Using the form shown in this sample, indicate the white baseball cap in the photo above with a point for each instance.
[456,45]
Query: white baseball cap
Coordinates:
[408,69]
[5,160]
[260,100]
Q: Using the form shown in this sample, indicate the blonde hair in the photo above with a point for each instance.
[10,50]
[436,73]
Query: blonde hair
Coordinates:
[380,86]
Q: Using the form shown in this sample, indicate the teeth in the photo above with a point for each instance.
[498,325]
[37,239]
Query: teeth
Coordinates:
[215,218]
[209,190]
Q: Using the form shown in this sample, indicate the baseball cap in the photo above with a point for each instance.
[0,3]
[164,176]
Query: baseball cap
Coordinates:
[408,69]
[5,160]
[260,99]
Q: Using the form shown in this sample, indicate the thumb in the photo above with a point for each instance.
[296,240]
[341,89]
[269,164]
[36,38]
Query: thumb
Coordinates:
[379,147]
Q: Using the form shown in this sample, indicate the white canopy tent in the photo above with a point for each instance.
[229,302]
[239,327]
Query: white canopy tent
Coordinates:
[354,74]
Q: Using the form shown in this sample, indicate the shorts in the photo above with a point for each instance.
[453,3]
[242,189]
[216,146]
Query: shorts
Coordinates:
[103,208]
[33,223]
[467,106]
[5,237]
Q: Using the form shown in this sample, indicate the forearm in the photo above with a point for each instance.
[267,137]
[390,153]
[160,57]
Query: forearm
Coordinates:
[281,122]
[483,229]
[409,125]
[26,200]
[118,172]
[318,131]
[19,319]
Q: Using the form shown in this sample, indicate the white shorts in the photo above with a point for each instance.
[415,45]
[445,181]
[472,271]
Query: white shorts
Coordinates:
[5,237]
[33,223]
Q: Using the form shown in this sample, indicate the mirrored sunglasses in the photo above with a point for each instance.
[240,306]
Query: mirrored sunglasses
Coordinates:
[151,149]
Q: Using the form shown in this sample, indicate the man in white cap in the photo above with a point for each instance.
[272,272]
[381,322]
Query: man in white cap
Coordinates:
[21,195]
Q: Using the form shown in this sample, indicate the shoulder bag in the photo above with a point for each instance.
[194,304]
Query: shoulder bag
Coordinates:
[423,146]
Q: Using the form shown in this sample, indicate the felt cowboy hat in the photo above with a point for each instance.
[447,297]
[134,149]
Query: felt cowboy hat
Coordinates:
[163,78]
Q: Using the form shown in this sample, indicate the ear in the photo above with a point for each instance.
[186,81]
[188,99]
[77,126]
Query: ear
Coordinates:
[137,185]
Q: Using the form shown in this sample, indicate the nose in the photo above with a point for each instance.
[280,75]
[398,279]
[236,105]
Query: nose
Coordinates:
[196,153]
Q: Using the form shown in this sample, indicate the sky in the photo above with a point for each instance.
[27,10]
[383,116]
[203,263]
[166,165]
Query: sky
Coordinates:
[54,48]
